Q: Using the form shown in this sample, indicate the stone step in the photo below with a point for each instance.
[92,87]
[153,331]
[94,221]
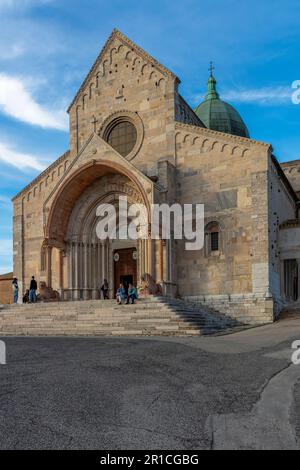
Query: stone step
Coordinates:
[102,332]
[95,324]
[111,323]
[151,316]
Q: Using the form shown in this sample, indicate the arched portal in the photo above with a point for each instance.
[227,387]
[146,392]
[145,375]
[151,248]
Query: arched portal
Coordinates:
[86,260]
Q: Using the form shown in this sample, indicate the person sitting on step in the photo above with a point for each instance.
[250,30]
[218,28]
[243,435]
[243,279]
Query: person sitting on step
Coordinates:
[132,294]
[121,294]
[26,297]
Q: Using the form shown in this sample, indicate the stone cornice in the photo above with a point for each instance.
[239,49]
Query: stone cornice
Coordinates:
[229,137]
[42,175]
[127,42]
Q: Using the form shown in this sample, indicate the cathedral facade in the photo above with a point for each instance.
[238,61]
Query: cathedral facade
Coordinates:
[133,135]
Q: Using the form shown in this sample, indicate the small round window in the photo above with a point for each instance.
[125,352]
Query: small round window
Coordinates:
[122,137]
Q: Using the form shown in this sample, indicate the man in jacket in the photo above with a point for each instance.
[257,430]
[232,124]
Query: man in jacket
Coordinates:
[32,290]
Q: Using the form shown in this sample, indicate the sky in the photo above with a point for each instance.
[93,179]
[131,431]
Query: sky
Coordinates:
[48,46]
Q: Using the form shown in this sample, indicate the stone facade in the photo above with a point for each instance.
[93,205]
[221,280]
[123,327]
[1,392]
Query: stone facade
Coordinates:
[174,159]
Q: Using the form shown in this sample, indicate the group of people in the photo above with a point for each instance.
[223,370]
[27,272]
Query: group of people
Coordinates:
[30,294]
[130,294]
[124,294]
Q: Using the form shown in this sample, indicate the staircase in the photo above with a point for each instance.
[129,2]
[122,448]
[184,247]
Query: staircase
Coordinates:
[154,316]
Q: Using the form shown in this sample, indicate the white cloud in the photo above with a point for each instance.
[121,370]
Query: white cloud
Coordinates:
[5,200]
[20,160]
[16,101]
[268,95]
[21,3]
[5,247]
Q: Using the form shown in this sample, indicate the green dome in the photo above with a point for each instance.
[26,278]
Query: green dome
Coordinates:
[218,115]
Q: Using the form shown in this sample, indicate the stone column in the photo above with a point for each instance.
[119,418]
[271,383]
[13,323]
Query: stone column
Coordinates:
[76,272]
[170,249]
[160,264]
[61,274]
[165,266]
[165,259]
[49,266]
[139,265]
[149,256]
[103,261]
[90,270]
[95,271]
[70,273]
[110,268]
[85,270]
[143,257]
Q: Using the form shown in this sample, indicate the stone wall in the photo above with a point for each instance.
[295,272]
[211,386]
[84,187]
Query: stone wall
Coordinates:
[6,292]
[250,309]
[229,175]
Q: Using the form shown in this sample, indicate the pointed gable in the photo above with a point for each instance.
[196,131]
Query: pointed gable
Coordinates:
[137,59]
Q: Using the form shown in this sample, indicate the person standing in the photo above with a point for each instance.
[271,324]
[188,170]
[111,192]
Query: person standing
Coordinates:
[105,289]
[15,287]
[32,290]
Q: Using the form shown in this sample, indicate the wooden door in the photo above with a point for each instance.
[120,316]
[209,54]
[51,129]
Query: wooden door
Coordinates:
[125,267]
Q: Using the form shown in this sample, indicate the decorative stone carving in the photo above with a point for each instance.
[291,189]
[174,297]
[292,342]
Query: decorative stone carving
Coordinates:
[47,294]
[148,286]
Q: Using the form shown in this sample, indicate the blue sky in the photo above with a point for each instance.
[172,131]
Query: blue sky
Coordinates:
[48,46]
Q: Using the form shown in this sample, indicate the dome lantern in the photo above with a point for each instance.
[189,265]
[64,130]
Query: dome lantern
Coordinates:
[219,115]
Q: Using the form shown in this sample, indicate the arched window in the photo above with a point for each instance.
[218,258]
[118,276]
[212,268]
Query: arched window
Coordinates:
[212,238]
[122,137]
[214,241]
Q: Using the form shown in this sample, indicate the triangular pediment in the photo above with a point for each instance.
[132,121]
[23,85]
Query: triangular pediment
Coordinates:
[98,152]
[137,59]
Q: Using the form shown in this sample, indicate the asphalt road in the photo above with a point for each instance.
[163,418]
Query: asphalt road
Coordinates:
[134,393]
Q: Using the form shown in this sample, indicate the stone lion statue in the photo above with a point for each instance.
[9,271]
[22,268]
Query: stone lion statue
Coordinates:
[47,294]
[149,287]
